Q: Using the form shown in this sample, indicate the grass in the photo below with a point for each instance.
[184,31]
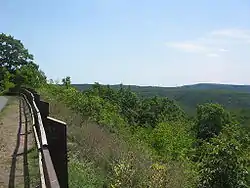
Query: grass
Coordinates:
[32,153]
[84,174]
[2,92]
[33,165]
[10,101]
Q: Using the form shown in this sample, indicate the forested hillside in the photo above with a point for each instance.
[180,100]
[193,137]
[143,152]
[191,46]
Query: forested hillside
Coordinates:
[230,96]
[127,137]
[201,86]
[235,98]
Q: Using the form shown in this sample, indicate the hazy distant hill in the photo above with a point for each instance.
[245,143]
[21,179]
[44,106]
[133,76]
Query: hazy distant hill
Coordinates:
[238,88]
[201,86]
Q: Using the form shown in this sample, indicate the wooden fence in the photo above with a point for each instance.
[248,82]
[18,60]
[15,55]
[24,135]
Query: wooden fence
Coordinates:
[51,140]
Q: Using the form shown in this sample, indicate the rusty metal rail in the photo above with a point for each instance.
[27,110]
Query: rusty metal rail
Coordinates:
[48,175]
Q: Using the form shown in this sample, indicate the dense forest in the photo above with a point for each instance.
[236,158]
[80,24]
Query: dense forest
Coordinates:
[133,136]
[234,98]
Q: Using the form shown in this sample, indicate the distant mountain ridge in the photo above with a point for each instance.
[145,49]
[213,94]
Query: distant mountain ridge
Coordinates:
[202,86]
[199,86]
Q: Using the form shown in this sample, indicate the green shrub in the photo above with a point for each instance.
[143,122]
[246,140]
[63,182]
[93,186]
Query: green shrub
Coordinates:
[224,160]
[210,120]
[172,140]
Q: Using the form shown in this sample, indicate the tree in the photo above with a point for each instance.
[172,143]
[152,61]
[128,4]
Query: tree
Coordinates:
[30,75]
[5,82]
[156,110]
[210,120]
[17,66]
[225,159]
[172,139]
[129,104]
[12,53]
[66,81]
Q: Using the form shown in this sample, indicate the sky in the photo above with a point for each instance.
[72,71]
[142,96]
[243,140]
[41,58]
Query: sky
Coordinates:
[139,42]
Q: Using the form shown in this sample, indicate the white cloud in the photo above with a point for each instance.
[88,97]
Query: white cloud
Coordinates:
[221,56]
[223,50]
[213,55]
[187,46]
[215,42]
[240,34]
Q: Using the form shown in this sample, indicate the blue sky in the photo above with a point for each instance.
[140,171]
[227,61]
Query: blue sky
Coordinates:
[143,42]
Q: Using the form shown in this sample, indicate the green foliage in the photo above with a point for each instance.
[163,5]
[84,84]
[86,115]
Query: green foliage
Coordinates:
[225,159]
[17,66]
[130,105]
[66,82]
[165,133]
[126,102]
[230,96]
[156,110]
[12,53]
[30,75]
[82,174]
[135,110]
[124,173]
[33,164]
[107,107]
[172,140]
[210,120]
[235,98]
[5,82]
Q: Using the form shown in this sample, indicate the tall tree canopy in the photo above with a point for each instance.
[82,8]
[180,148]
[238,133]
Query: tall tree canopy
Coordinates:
[210,120]
[12,53]
[16,65]
[66,81]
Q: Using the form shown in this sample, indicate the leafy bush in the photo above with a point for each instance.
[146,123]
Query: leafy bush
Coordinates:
[156,110]
[224,160]
[210,120]
[172,140]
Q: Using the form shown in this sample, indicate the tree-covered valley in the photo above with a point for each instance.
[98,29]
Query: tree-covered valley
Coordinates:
[234,98]
[130,136]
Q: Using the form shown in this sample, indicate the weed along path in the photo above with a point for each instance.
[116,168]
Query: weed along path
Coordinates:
[3,101]
[15,143]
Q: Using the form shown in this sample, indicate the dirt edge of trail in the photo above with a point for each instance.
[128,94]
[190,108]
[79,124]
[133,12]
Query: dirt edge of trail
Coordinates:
[15,141]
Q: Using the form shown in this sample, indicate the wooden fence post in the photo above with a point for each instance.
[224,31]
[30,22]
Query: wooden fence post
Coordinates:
[44,111]
[56,132]
[37,100]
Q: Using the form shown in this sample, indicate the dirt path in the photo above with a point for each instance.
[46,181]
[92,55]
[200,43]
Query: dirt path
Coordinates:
[15,142]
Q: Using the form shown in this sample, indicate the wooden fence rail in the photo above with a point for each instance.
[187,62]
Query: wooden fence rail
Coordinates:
[51,139]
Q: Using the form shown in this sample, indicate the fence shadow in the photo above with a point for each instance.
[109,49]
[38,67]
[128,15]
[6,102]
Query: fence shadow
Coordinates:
[22,127]
[25,150]
[14,155]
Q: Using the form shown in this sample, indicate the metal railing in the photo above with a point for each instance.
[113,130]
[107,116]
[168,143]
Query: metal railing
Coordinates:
[48,175]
